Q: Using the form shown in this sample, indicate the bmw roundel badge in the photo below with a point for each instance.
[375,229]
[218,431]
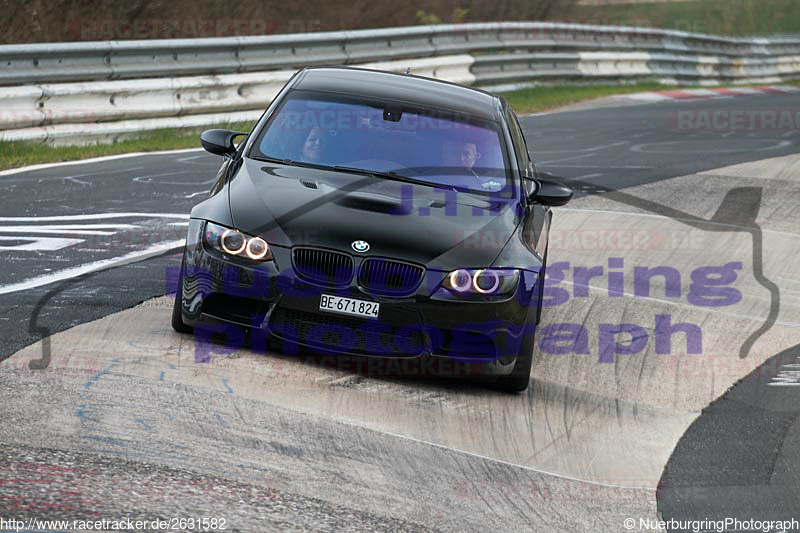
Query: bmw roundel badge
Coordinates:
[360,246]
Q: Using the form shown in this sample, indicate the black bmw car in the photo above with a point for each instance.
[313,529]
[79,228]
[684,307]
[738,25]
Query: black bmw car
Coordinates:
[375,214]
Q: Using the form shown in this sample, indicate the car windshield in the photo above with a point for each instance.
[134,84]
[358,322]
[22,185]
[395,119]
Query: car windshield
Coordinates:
[439,148]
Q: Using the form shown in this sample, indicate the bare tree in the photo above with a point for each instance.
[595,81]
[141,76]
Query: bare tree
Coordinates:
[68,20]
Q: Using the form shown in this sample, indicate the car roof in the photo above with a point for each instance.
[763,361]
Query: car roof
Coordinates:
[406,88]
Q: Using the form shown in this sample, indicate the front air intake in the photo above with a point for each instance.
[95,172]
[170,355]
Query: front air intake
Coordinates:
[393,278]
[322,266]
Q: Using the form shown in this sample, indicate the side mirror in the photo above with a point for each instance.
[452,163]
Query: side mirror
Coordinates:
[220,142]
[550,193]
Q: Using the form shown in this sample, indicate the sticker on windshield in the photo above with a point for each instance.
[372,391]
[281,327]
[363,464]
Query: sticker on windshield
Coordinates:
[492,185]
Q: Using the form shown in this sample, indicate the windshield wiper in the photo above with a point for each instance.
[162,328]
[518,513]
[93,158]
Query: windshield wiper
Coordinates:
[392,175]
[292,163]
[388,174]
[277,160]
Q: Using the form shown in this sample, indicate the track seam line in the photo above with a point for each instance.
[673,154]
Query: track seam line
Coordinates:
[504,462]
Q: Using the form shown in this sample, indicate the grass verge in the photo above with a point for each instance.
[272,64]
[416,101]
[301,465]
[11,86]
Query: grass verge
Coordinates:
[542,98]
[23,153]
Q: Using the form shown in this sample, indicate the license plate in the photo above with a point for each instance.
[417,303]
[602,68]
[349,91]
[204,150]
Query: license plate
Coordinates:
[348,306]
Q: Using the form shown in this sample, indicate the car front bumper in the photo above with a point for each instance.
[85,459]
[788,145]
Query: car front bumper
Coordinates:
[268,300]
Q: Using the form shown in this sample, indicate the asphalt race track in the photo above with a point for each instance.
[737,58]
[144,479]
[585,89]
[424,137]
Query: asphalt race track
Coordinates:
[107,414]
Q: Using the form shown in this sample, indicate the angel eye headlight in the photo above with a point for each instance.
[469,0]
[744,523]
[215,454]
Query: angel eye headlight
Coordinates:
[257,248]
[485,281]
[233,242]
[460,280]
[481,282]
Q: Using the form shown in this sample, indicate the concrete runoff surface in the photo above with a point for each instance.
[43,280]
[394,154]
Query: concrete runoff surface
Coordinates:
[279,442]
[428,452]
[444,455]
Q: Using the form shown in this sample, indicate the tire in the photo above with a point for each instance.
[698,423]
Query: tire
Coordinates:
[541,285]
[520,376]
[177,316]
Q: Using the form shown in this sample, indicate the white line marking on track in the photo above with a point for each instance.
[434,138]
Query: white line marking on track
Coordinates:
[47,244]
[787,376]
[79,182]
[573,158]
[94,160]
[69,229]
[745,90]
[584,150]
[93,216]
[73,177]
[147,178]
[662,145]
[34,229]
[647,97]
[701,92]
[188,160]
[96,266]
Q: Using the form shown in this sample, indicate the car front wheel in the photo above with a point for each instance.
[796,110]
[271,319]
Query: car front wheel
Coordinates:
[520,376]
[177,316]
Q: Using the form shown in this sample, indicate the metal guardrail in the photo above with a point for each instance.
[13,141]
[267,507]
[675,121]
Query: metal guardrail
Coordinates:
[515,69]
[83,109]
[109,60]
[143,80]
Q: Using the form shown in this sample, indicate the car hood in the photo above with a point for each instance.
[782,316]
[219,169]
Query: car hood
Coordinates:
[289,205]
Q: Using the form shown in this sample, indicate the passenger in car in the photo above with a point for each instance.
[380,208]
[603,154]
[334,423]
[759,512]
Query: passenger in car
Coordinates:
[312,147]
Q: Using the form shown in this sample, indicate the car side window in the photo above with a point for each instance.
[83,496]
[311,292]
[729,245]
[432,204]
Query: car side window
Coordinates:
[525,144]
[242,143]
[519,144]
[521,148]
